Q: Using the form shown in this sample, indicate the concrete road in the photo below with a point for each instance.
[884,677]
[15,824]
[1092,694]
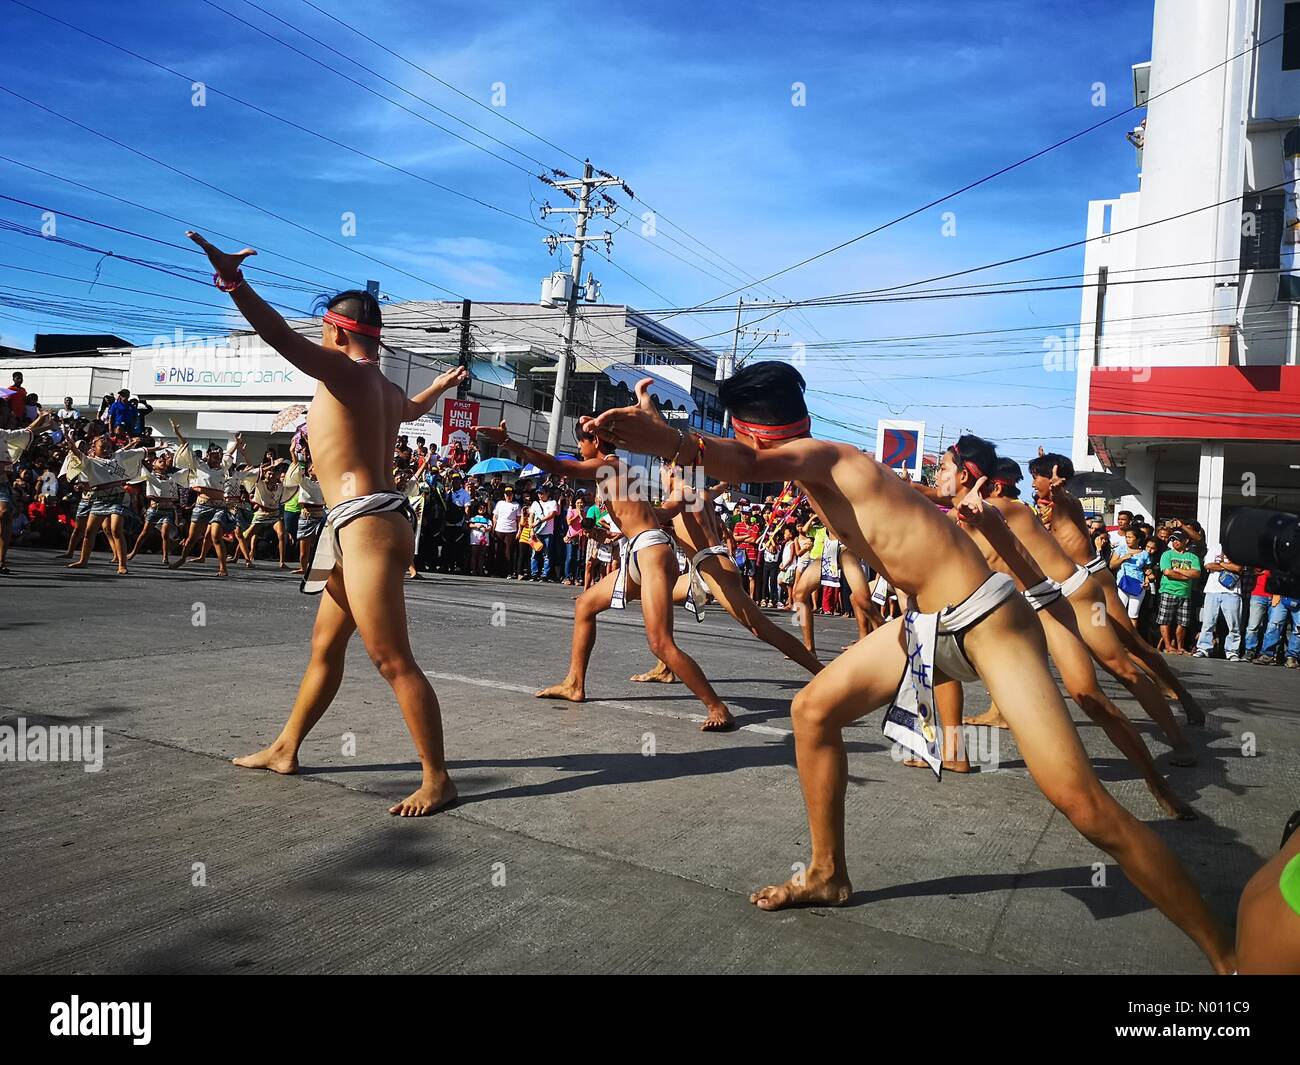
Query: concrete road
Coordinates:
[612,836]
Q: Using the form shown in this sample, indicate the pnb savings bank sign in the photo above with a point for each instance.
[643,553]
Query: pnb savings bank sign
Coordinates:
[197,370]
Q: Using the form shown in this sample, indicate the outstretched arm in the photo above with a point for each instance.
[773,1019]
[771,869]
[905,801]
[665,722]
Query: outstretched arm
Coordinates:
[422,402]
[642,428]
[583,469]
[977,513]
[310,358]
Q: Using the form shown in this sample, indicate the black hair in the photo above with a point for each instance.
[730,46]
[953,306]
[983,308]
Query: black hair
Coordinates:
[1009,473]
[1043,464]
[359,304]
[1128,512]
[578,434]
[977,451]
[768,393]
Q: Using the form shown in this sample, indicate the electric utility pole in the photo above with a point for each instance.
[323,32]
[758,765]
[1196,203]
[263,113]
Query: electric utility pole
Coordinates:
[727,367]
[463,389]
[579,190]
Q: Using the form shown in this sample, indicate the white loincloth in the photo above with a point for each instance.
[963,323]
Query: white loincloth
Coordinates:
[1096,564]
[880,593]
[1074,582]
[933,642]
[698,596]
[628,570]
[1044,593]
[327,553]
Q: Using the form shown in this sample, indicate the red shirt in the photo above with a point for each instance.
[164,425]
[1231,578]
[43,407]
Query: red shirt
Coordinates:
[1260,578]
[18,402]
[746,535]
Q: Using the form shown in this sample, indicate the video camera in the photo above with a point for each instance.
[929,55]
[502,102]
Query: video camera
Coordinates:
[1269,539]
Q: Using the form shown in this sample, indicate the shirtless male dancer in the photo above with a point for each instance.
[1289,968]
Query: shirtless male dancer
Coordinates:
[965,622]
[711,571]
[352,423]
[971,460]
[648,571]
[1064,517]
[1081,593]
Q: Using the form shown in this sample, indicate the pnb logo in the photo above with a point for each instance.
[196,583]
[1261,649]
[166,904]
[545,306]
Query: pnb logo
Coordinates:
[160,376]
[103,1018]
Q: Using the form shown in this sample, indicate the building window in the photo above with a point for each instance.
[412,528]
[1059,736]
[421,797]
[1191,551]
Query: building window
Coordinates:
[708,412]
[1261,228]
[1291,37]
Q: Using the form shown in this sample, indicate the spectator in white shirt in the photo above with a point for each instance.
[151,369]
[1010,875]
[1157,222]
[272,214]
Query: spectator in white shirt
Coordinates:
[68,413]
[505,531]
[543,511]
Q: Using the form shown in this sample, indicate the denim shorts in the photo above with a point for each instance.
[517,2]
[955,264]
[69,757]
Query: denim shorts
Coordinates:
[107,504]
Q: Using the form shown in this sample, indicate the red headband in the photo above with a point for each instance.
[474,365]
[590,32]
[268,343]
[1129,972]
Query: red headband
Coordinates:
[351,324]
[773,432]
[973,470]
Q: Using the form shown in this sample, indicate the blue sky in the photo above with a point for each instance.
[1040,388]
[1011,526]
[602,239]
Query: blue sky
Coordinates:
[690,103]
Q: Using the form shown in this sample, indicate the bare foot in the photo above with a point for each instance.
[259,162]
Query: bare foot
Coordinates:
[992,718]
[1182,757]
[299,570]
[284,565]
[563,690]
[951,767]
[275,758]
[223,572]
[75,565]
[719,720]
[655,676]
[1172,805]
[806,889]
[121,571]
[1195,715]
[429,798]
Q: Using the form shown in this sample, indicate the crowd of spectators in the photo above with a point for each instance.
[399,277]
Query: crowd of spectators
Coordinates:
[1188,597]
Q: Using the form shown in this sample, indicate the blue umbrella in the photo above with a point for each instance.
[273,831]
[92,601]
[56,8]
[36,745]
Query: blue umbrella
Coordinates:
[493,466]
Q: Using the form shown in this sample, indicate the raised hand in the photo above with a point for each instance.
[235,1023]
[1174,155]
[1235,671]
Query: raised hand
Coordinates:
[496,434]
[225,263]
[640,427]
[452,378]
[971,510]
[1056,482]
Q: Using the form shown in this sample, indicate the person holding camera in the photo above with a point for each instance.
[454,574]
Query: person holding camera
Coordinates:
[1222,597]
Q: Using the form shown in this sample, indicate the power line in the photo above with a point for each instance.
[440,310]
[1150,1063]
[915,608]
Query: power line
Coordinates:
[998,173]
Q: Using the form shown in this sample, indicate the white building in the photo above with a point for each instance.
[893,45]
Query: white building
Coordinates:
[1187,367]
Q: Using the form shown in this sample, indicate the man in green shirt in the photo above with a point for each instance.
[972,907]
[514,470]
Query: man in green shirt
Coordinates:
[1180,569]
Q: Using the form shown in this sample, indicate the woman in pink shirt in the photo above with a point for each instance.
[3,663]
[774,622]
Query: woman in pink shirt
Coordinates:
[574,541]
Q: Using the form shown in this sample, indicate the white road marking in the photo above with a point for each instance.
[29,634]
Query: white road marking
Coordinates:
[500,685]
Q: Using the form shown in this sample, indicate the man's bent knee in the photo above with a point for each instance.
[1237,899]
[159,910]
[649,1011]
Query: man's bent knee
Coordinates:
[1090,810]
[808,714]
[392,665]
